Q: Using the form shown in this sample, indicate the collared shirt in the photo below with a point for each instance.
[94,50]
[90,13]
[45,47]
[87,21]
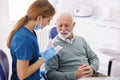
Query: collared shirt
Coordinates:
[65,39]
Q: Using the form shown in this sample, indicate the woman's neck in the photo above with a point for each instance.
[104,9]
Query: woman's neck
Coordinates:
[30,25]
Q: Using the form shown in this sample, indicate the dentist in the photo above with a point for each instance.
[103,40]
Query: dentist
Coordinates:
[23,44]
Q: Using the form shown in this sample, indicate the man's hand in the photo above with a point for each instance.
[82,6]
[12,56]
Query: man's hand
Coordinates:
[84,71]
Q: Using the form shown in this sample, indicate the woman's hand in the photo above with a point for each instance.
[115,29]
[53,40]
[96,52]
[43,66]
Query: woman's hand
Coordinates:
[50,51]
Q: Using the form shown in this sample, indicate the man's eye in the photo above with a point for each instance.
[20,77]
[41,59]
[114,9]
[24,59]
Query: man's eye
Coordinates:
[59,25]
[67,25]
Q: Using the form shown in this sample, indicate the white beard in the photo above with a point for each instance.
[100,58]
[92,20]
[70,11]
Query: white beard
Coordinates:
[66,35]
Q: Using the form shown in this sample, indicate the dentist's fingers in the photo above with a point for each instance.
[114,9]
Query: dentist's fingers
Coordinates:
[58,48]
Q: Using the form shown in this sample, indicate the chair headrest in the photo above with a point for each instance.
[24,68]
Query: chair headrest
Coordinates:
[4,63]
[2,75]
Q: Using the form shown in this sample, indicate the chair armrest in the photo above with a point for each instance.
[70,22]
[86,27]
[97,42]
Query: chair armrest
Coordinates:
[110,66]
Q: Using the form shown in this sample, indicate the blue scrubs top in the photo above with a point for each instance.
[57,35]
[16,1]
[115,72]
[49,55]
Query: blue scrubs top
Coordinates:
[24,46]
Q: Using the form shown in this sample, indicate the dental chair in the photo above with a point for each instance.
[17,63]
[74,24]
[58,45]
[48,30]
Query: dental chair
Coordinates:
[4,66]
[114,68]
[110,66]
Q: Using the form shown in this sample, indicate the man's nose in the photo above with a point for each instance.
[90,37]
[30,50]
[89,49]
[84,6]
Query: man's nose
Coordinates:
[63,27]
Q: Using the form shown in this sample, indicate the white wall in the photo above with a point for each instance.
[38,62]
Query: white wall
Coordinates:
[105,9]
[4,30]
[4,20]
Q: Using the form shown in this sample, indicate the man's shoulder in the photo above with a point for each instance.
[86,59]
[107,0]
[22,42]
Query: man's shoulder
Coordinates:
[78,37]
[56,39]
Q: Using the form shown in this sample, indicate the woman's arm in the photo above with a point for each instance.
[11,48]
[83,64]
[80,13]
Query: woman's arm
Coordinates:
[24,69]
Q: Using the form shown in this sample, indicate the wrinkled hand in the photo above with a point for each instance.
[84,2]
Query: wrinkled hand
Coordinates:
[84,71]
[51,51]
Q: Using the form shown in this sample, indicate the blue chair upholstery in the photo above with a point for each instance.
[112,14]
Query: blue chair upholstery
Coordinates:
[4,66]
[2,75]
[53,32]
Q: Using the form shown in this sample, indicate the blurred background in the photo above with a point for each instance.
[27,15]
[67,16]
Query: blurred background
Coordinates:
[98,21]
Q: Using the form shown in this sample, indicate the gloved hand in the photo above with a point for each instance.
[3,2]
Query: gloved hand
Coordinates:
[50,52]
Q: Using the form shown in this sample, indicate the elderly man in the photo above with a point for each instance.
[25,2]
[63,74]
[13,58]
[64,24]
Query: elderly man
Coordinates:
[76,59]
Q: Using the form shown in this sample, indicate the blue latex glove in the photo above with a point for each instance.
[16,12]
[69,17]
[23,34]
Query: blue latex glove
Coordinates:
[49,53]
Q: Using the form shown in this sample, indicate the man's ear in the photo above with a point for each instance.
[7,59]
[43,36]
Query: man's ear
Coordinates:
[74,24]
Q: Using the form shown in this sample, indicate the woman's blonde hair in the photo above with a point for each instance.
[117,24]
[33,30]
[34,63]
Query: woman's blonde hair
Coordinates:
[38,8]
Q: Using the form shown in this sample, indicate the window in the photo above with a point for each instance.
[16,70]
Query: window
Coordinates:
[18,8]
